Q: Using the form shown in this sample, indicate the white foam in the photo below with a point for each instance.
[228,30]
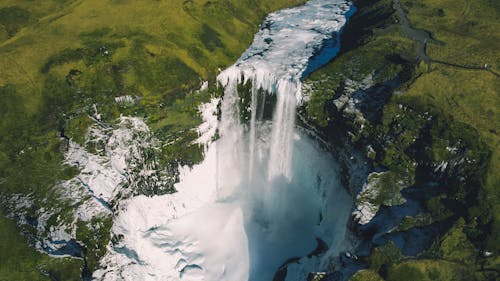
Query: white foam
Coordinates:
[195,234]
[208,128]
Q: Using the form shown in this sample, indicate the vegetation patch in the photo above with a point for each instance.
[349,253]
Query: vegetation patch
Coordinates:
[13,18]
[19,261]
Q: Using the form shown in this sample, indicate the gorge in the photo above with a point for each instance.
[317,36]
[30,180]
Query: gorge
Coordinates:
[266,192]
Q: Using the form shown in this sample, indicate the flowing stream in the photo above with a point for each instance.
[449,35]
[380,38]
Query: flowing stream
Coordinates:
[266,197]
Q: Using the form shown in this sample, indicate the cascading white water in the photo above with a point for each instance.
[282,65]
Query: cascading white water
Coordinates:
[275,63]
[265,192]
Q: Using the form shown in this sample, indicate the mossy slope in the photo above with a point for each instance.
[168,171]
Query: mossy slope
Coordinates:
[434,124]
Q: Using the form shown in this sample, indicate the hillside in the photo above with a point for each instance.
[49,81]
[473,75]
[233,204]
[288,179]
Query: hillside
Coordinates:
[70,65]
[416,89]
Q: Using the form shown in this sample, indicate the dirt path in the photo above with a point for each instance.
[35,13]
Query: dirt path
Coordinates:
[423,37]
[485,67]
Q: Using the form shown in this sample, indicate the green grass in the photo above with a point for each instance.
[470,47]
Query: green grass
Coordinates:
[470,32]
[383,256]
[469,29]
[12,19]
[168,27]
[366,275]
[451,258]
[19,261]
[95,236]
[436,212]
[427,270]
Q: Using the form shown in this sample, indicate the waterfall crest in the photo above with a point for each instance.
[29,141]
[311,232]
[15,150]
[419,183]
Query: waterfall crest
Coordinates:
[273,65]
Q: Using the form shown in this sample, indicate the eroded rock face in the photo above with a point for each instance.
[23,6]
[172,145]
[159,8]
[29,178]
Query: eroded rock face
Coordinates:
[119,161]
[392,204]
[116,162]
[380,189]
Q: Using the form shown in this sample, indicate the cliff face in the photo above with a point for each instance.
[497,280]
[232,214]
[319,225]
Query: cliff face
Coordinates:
[423,177]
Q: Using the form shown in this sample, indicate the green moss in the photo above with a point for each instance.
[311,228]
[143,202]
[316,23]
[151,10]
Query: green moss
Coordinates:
[183,151]
[389,186]
[375,60]
[157,75]
[366,275]
[419,220]
[456,247]
[383,189]
[15,253]
[426,270]
[76,128]
[245,102]
[69,172]
[383,256]
[95,235]
[441,116]
[65,56]
[13,18]
[467,28]
[436,211]
[19,261]
[469,33]
[376,57]
[63,269]
[210,38]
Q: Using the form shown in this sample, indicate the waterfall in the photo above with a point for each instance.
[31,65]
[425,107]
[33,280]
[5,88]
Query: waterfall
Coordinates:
[240,136]
[273,65]
[258,162]
[283,128]
[265,192]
